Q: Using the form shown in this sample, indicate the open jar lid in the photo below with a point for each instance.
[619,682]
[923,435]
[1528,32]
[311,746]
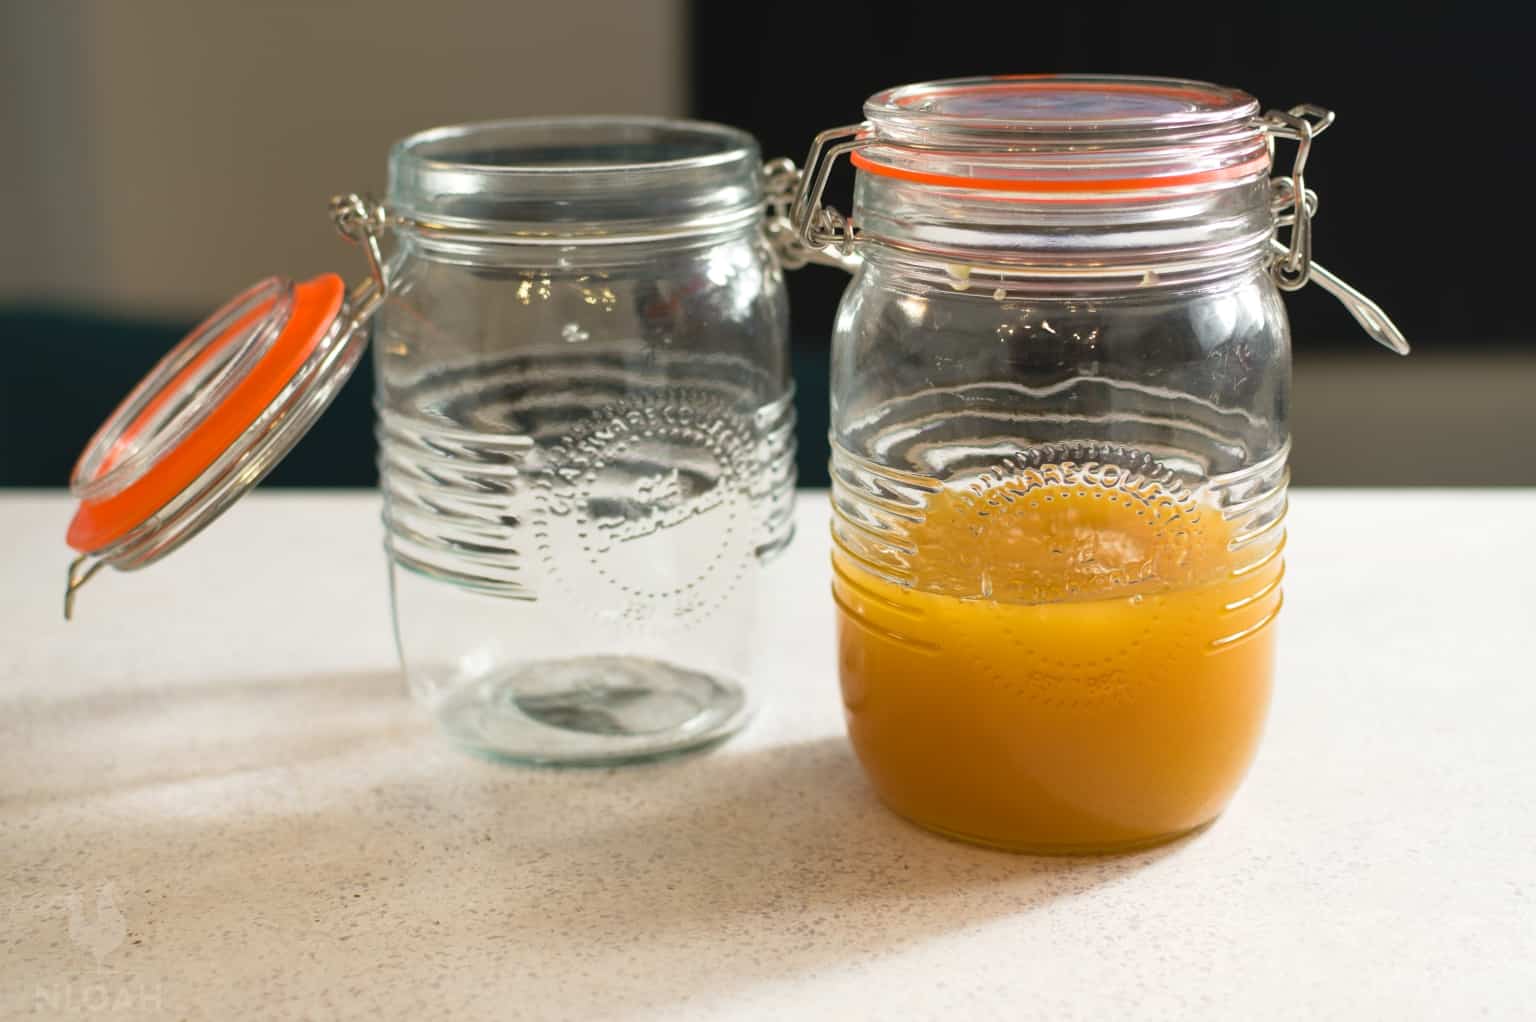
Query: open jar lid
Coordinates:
[1065,136]
[210,420]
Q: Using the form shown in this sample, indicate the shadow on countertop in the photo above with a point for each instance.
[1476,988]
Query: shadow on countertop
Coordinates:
[339,836]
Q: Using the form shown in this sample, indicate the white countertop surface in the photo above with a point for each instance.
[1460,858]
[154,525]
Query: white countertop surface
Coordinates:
[216,801]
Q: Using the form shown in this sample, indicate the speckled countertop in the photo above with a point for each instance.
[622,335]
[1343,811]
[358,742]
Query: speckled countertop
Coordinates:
[217,802]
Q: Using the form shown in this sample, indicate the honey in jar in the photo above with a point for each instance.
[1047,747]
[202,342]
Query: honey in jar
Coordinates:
[1075,661]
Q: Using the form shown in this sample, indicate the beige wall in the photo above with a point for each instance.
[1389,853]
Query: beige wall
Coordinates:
[175,151]
[1369,418]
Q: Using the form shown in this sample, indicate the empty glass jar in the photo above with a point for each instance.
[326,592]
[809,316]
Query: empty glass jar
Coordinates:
[585,431]
[585,426]
[1060,381]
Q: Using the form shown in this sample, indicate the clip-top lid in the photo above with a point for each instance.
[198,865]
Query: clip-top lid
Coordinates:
[210,420]
[1100,142]
[1056,137]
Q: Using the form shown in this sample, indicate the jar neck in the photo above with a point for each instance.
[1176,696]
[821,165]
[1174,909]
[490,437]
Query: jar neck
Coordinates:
[1126,242]
[922,274]
[574,251]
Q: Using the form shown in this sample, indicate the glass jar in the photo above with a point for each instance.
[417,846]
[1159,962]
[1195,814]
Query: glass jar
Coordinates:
[585,431]
[1060,381]
[585,426]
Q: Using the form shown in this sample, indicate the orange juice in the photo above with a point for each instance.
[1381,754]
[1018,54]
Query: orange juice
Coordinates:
[1072,663]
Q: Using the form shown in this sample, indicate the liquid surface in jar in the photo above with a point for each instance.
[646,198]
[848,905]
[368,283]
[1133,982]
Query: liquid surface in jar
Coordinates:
[1068,666]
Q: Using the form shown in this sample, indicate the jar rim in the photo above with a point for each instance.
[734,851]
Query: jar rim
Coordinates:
[727,144]
[604,176]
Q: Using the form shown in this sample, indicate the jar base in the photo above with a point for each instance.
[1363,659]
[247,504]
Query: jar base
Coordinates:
[1063,849]
[592,711]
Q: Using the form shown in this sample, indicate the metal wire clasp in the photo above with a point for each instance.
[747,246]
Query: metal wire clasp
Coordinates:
[362,220]
[1294,205]
[81,570]
[798,227]
[817,227]
[781,179]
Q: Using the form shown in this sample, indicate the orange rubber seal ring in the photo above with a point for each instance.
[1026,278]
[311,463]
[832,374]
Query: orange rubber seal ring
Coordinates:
[1068,188]
[123,446]
[100,523]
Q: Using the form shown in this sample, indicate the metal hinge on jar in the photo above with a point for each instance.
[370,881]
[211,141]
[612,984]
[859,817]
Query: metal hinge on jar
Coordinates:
[362,220]
[830,243]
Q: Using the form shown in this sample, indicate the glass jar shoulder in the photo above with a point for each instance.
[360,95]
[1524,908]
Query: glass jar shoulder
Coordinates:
[1198,370]
[724,298]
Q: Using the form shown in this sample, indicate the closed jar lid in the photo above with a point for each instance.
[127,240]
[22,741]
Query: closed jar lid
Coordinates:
[1066,136]
[1014,165]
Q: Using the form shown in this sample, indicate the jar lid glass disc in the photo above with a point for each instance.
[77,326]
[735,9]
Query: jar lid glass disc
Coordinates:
[1075,135]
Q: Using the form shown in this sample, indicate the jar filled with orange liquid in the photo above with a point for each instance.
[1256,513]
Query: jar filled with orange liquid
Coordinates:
[1060,379]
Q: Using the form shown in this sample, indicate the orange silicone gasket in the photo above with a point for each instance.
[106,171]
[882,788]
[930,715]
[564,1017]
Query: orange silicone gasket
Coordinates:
[100,523]
[123,445]
[1065,189]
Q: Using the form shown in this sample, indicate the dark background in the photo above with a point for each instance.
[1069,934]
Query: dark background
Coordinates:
[1422,183]
[1420,179]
